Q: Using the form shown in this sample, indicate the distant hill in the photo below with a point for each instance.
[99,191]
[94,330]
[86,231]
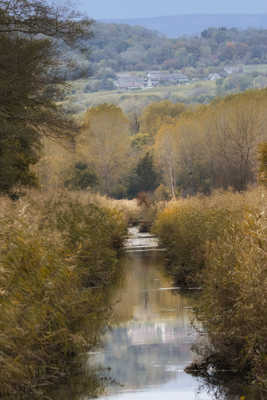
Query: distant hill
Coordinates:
[179,25]
[118,49]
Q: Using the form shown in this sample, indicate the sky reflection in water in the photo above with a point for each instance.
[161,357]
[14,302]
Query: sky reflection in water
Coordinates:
[149,346]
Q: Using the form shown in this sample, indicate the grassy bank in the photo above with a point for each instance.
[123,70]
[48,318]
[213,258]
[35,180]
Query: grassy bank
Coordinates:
[58,262]
[221,242]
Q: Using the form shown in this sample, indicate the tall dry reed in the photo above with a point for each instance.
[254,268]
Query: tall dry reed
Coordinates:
[58,262]
[221,242]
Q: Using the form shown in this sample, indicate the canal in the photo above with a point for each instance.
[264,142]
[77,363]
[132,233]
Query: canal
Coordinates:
[149,344]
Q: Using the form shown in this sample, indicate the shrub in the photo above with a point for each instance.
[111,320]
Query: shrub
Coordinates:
[82,178]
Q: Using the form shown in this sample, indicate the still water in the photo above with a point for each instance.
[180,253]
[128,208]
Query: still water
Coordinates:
[148,347]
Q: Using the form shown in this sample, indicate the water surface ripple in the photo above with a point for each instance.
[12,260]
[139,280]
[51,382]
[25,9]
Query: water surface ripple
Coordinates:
[148,347]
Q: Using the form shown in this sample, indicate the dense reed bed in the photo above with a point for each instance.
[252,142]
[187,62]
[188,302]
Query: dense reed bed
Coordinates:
[186,225]
[58,264]
[220,242]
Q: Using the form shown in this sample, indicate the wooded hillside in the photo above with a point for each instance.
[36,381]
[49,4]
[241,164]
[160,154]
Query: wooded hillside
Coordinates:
[117,48]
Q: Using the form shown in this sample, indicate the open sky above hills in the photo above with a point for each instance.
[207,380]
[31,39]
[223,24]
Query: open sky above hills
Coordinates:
[102,9]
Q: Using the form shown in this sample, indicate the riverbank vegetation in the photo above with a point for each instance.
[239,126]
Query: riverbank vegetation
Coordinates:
[58,264]
[219,243]
[233,301]
[58,256]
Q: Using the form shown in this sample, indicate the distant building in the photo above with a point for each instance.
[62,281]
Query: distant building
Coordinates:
[155,78]
[235,69]
[131,81]
[128,81]
[175,77]
[214,77]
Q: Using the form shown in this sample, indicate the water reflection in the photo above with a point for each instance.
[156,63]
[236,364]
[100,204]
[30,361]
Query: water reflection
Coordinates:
[149,345]
[144,355]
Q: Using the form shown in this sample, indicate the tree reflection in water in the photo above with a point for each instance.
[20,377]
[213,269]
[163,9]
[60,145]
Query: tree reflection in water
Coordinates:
[228,386]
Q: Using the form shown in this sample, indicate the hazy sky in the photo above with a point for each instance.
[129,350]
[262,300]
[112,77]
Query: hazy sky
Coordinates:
[150,8]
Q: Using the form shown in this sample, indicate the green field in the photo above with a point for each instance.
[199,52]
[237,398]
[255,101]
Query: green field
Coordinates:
[77,102]
[78,99]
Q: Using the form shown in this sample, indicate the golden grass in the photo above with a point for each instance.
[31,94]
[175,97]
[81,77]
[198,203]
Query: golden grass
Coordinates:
[221,242]
[186,225]
[58,264]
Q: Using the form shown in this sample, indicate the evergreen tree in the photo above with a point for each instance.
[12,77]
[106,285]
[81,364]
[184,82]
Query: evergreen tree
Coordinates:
[145,178]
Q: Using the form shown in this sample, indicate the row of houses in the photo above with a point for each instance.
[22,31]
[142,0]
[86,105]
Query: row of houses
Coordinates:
[131,81]
[226,71]
[149,80]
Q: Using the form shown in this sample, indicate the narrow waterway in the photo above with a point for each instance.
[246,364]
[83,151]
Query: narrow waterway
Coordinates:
[149,345]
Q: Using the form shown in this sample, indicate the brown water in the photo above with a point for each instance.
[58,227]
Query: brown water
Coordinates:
[148,347]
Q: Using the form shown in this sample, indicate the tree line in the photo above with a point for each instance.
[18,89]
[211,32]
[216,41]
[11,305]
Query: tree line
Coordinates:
[171,149]
[120,47]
